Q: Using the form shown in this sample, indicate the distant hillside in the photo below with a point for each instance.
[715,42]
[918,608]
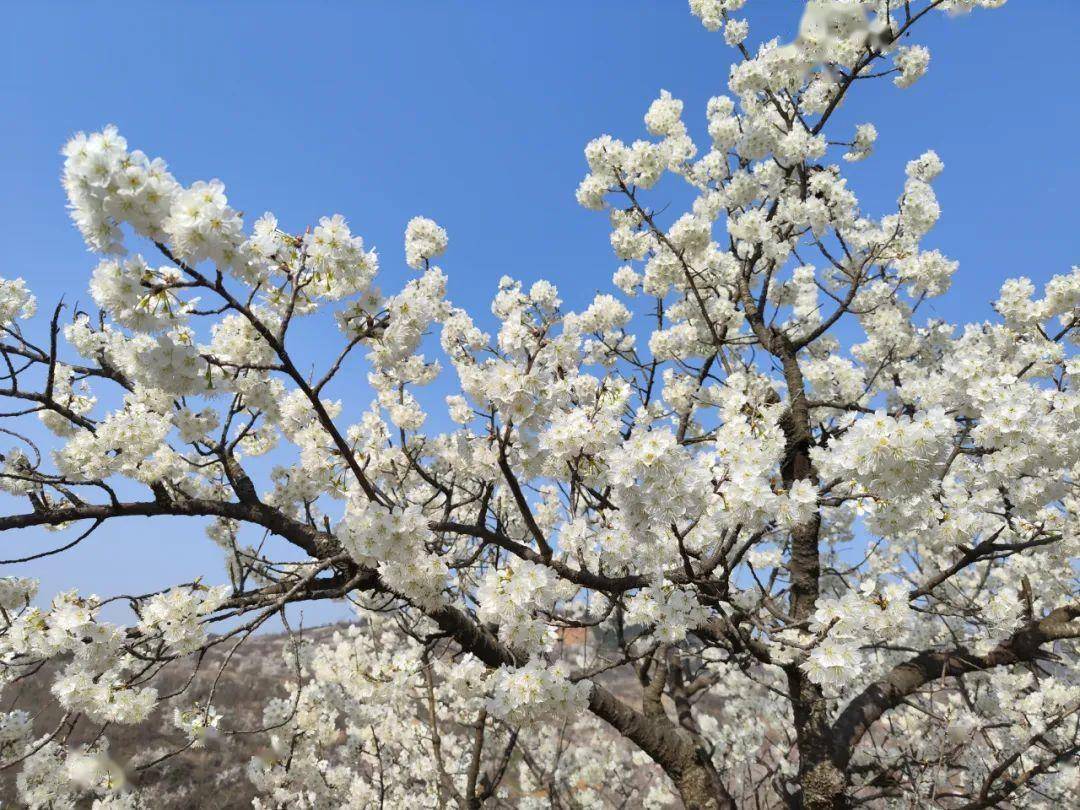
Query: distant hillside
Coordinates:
[213,777]
[209,777]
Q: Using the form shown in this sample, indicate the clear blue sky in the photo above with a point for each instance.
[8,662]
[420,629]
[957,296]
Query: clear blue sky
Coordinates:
[475,113]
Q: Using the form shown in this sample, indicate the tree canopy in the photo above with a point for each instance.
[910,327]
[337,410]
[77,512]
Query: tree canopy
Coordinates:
[749,530]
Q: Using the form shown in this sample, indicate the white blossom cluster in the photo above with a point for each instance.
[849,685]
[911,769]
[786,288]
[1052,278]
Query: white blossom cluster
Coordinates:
[536,691]
[107,185]
[424,240]
[673,610]
[175,614]
[394,541]
[511,598]
[16,301]
[847,624]
[335,262]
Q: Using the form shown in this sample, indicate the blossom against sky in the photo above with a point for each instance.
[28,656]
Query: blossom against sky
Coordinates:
[475,114]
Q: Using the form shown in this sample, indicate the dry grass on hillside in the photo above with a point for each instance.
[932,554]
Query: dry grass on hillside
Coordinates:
[208,777]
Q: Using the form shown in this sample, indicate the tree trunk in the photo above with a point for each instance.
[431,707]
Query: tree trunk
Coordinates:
[672,748]
[822,781]
[824,787]
[700,787]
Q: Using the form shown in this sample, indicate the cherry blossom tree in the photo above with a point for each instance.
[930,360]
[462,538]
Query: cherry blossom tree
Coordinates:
[802,570]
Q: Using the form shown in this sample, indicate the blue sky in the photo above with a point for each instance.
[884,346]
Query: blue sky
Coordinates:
[475,114]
